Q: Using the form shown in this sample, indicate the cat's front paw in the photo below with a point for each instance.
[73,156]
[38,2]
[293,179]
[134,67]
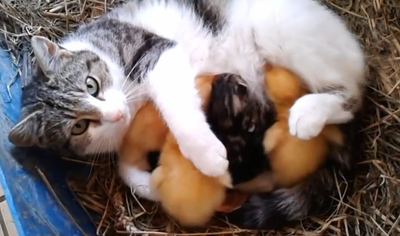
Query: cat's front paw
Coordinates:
[212,161]
[138,181]
[207,153]
[306,118]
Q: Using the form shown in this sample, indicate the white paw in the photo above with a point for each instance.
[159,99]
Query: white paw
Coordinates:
[138,181]
[307,118]
[226,180]
[206,152]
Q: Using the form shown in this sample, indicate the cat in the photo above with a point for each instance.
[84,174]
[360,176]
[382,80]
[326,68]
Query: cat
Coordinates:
[183,191]
[253,140]
[315,195]
[233,114]
[291,158]
[90,85]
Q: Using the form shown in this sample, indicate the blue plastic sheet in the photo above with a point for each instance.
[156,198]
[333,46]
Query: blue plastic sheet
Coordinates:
[36,209]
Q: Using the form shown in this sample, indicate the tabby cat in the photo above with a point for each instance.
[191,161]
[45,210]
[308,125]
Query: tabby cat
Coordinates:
[90,85]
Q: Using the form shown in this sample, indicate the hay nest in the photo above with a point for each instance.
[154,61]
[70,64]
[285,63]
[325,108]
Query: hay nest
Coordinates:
[373,208]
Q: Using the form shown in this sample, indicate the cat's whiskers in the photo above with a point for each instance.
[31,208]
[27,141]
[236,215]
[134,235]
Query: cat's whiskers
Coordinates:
[128,90]
[135,96]
[140,96]
[131,87]
[134,92]
[95,159]
[131,101]
[110,157]
[93,163]
[97,154]
[138,62]
[136,100]
[133,68]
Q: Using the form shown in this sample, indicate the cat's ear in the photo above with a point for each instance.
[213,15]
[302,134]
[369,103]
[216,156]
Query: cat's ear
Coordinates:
[49,55]
[25,132]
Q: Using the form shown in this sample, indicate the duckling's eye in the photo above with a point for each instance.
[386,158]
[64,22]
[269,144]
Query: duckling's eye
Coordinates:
[80,127]
[92,86]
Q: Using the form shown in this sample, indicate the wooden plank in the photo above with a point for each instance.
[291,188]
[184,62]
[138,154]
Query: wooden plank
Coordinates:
[8,221]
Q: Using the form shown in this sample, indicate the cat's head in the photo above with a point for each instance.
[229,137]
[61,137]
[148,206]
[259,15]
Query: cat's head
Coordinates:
[72,104]
[239,120]
[232,109]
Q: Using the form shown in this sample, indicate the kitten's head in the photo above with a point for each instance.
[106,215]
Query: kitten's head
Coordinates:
[239,120]
[72,103]
[233,108]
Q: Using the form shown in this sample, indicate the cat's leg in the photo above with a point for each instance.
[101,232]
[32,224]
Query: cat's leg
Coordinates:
[138,180]
[317,46]
[312,112]
[172,88]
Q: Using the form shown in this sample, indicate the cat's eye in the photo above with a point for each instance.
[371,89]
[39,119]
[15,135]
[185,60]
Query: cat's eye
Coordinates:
[92,86]
[80,127]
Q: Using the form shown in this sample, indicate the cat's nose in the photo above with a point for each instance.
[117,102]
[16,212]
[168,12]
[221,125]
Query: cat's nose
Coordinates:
[115,116]
[118,116]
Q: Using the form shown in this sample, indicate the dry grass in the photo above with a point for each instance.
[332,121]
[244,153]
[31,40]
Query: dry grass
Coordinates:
[373,208]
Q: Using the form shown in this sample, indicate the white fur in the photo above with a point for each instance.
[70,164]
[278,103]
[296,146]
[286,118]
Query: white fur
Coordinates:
[113,106]
[308,39]
[138,181]
[300,35]
[115,119]
[172,88]
[167,19]
[324,109]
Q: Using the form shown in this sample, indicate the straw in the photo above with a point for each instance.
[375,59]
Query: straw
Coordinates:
[373,205]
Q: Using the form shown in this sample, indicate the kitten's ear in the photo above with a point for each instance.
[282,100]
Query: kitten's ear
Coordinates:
[25,132]
[49,55]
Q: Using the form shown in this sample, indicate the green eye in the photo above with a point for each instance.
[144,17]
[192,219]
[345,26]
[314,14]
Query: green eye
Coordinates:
[92,86]
[80,127]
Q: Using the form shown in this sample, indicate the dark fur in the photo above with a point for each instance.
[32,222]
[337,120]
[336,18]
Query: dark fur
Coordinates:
[208,14]
[136,49]
[247,159]
[231,122]
[314,196]
[311,197]
[240,123]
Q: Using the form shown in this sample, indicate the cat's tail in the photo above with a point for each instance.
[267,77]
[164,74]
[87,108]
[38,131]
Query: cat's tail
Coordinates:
[311,197]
